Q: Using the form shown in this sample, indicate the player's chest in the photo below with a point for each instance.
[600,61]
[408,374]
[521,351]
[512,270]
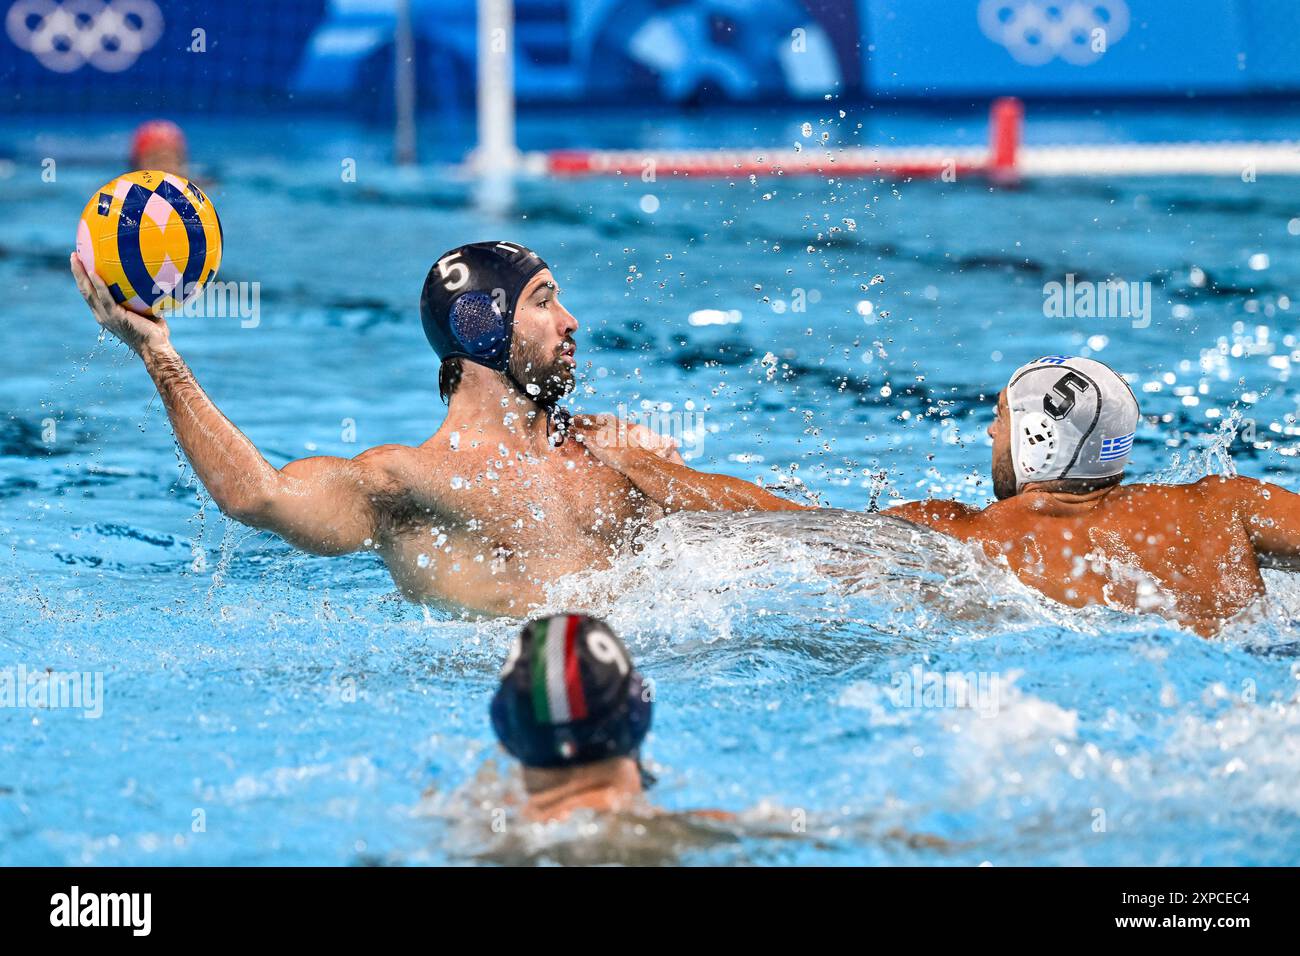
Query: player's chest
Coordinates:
[562,496]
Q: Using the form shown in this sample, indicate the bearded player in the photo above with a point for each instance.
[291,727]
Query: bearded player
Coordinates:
[486,512]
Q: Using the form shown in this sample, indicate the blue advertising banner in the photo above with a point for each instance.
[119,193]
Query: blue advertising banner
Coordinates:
[1072,47]
[69,55]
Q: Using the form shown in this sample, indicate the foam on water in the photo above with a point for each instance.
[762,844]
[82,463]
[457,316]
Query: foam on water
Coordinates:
[776,643]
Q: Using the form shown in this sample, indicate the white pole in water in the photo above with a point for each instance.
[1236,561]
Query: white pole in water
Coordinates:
[496,154]
[404,86]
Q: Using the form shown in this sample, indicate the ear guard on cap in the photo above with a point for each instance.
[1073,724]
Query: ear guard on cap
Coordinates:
[1036,445]
[468,302]
[478,324]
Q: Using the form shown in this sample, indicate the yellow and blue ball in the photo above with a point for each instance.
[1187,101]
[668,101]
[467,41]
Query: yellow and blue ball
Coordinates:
[153,237]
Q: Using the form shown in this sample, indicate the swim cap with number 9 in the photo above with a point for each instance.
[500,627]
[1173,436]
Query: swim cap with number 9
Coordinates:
[569,695]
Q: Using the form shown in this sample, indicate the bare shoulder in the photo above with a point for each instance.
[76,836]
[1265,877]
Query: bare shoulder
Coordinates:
[942,515]
[398,474]
[385,465]
[1207,491]
[386,458]
[1213,492]
[1236,489]
[407,484]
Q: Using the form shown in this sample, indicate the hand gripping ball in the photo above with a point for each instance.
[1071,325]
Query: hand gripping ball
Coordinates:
[153,237]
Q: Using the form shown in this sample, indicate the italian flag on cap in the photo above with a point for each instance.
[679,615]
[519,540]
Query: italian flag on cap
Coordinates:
[557,680]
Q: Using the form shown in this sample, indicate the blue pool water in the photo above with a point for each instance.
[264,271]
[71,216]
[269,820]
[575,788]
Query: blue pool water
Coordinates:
[260,706]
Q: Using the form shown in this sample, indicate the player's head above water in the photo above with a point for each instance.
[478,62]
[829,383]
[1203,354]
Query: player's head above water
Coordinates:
[159,144]
[570,698]
[1065,422]
[496,304]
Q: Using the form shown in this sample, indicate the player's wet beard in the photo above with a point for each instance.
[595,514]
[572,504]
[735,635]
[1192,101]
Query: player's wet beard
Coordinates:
[1004,476]
[531,365]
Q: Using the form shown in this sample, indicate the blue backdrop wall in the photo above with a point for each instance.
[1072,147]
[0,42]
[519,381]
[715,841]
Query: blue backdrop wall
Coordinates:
[153,55]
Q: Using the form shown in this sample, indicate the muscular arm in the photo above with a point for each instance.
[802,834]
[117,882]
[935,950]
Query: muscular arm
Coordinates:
[321,505]
[673,485]
[681,488]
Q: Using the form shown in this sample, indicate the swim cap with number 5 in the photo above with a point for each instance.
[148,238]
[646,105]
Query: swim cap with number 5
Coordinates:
[1070,418]
[469,298]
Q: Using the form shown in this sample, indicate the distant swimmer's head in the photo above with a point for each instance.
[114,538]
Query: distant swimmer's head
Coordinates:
[1062,419]
[496,304]
[570,698]
[159,144]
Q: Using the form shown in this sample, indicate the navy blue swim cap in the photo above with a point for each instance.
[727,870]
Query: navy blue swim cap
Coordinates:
[469,298]
[569,695]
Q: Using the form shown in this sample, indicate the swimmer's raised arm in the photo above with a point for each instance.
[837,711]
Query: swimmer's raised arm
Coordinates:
[321,505]
[672,484]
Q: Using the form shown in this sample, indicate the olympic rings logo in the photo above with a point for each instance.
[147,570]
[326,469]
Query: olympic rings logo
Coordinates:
[110,35]
[1038,31]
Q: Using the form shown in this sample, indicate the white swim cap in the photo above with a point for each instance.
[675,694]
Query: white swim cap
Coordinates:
[1070,418]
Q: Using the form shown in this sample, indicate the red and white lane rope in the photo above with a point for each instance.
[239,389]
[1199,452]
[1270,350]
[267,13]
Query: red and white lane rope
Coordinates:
[1003,160]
